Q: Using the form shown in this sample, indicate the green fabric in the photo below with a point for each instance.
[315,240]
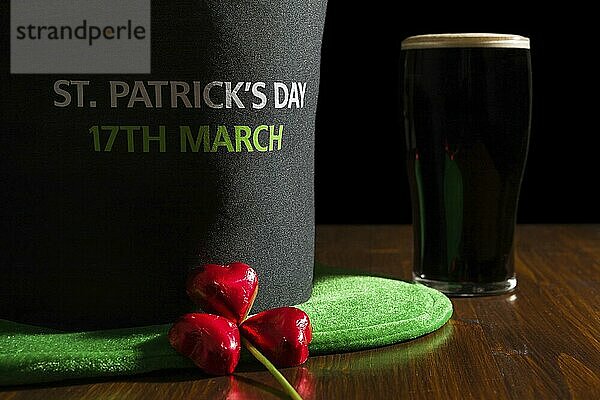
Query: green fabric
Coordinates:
[348,312]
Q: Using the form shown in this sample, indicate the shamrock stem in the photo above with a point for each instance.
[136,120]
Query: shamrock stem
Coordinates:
[289,389]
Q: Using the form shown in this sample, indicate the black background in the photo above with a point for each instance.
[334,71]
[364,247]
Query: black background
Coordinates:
[360,134]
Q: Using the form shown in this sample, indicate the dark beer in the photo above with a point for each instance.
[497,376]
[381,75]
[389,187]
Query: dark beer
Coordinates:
[467,107]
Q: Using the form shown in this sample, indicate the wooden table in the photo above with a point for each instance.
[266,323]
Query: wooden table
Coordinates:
[540,342]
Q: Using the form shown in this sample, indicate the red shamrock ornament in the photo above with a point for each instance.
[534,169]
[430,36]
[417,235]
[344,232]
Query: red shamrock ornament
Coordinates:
[212,341]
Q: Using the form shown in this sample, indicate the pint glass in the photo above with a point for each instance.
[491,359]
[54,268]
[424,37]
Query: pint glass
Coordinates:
[467,112]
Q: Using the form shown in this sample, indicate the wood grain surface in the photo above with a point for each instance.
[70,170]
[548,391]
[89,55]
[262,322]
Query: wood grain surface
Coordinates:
[540,342]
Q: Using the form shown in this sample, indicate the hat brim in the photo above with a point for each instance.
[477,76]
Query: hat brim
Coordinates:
[348,310]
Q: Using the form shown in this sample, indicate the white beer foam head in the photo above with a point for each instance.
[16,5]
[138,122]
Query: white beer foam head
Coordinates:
[447,40]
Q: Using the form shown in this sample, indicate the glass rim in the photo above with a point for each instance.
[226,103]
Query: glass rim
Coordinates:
[449,40]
